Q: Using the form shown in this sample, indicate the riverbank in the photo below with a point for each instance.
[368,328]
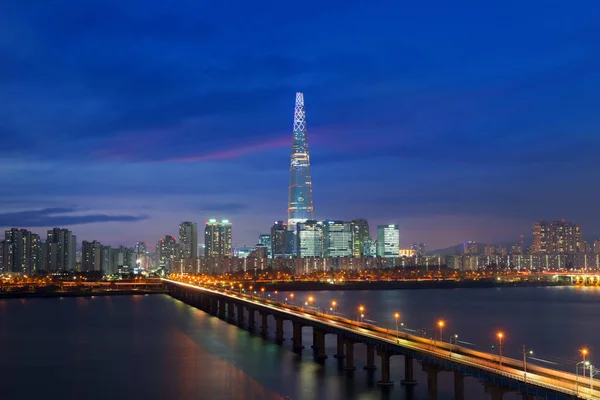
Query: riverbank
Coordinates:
[399,285]
[78,293]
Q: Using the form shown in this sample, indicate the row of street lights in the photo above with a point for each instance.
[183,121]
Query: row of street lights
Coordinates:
[441,324]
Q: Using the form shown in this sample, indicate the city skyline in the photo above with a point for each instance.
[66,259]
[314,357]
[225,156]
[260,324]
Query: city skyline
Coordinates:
[469,130]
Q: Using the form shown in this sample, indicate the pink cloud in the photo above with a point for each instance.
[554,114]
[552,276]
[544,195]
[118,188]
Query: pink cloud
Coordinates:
[237,152]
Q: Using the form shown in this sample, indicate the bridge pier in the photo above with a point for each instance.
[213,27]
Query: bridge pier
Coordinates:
[385,368]
[459,386]
[264,327]
[340,347]
[370,358]
[222,309]
[297,339]
[409,372]
[278,330]
[319,344]
[432,381]
[495,392]
[240,314]
[526,396]
[349,355]
[230,312]
[251,315]
[214,306]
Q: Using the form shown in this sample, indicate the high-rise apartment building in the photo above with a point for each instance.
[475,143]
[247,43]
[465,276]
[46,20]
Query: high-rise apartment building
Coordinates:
[166,248]
[217,238]
[418,249]
[300,205]
[188,240]
[21,251]
[556,237]
[337,238]
[279,239]
[597,246]
[360,233]
[60,249]
[309,236]
[388,240]
[91,256]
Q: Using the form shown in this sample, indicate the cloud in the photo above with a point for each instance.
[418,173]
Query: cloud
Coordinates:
[48,217]
[224,207]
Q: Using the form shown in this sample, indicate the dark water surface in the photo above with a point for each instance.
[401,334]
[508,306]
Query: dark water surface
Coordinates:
[155,347]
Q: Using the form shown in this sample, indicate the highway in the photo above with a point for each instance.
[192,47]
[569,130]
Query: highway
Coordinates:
[559,381]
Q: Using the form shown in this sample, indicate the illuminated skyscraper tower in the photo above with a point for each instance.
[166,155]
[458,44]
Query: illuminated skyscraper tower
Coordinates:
[300,206]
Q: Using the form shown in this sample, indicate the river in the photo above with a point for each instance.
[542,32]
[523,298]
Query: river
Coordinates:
[155,347]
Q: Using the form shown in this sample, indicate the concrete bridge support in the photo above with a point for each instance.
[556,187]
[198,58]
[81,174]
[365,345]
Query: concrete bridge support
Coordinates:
[319,344]
[349,355]
[340,347]
[526,396]
[370,358]
[278,330]
[459,386]
[432,381]
[297,339]
[385,368]
[409,372]
[264,326]
[221,313]
[495,392]
[214,306]
[251,315]
[230,312]
[240,314]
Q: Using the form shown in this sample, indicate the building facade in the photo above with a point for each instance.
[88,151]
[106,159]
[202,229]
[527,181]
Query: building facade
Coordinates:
[91,256]
[279,240]
[217,238]
[360,233]
[309,235]
[338,238]
[188,239]
[60,250]
[21,252]
[388,240]
[556,237]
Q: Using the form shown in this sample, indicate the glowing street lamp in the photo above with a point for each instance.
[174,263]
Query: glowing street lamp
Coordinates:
[333,306]
[397,315]
[263,292]
[292,297]
[525,354]
[500,336]
[277,296]
[361,309]
[441,323]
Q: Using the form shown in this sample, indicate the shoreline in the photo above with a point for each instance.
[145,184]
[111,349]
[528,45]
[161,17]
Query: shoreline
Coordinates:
[31,295]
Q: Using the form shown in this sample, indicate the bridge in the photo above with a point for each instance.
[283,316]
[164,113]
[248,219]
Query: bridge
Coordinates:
[499,374]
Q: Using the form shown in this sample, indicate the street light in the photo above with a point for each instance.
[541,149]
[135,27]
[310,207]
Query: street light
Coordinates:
[397,315]
[525,354]
[292,297]
[441,324]
[263,292]
[500,337]
[276,296]
[333,306]
[584,352]
[455,339]
[361,309]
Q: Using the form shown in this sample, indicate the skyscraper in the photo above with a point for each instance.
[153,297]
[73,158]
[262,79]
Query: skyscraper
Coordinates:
[388,240]
[360,233]
[91,256]
[300,205]
[21,251]
[61,247]
[166,249]
[217,238]
[556,237]
[265,240]
[188,240]
[279,239]
[338,238]
[310,238]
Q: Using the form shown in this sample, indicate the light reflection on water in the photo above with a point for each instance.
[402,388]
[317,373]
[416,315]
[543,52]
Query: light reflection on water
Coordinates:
[156,347]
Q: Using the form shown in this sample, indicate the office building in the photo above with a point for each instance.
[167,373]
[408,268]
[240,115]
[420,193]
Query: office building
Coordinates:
[265,240]
[217,238]
[188,240]
[300,205]
[360,233]
[279,239]
[338,238]
[418,249]
[309,235]
[388,240]
[369,247]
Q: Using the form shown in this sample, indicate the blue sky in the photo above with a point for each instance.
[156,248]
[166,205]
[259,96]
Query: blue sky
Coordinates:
[457,120]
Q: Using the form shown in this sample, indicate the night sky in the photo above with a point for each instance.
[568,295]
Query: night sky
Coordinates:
[458,120]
